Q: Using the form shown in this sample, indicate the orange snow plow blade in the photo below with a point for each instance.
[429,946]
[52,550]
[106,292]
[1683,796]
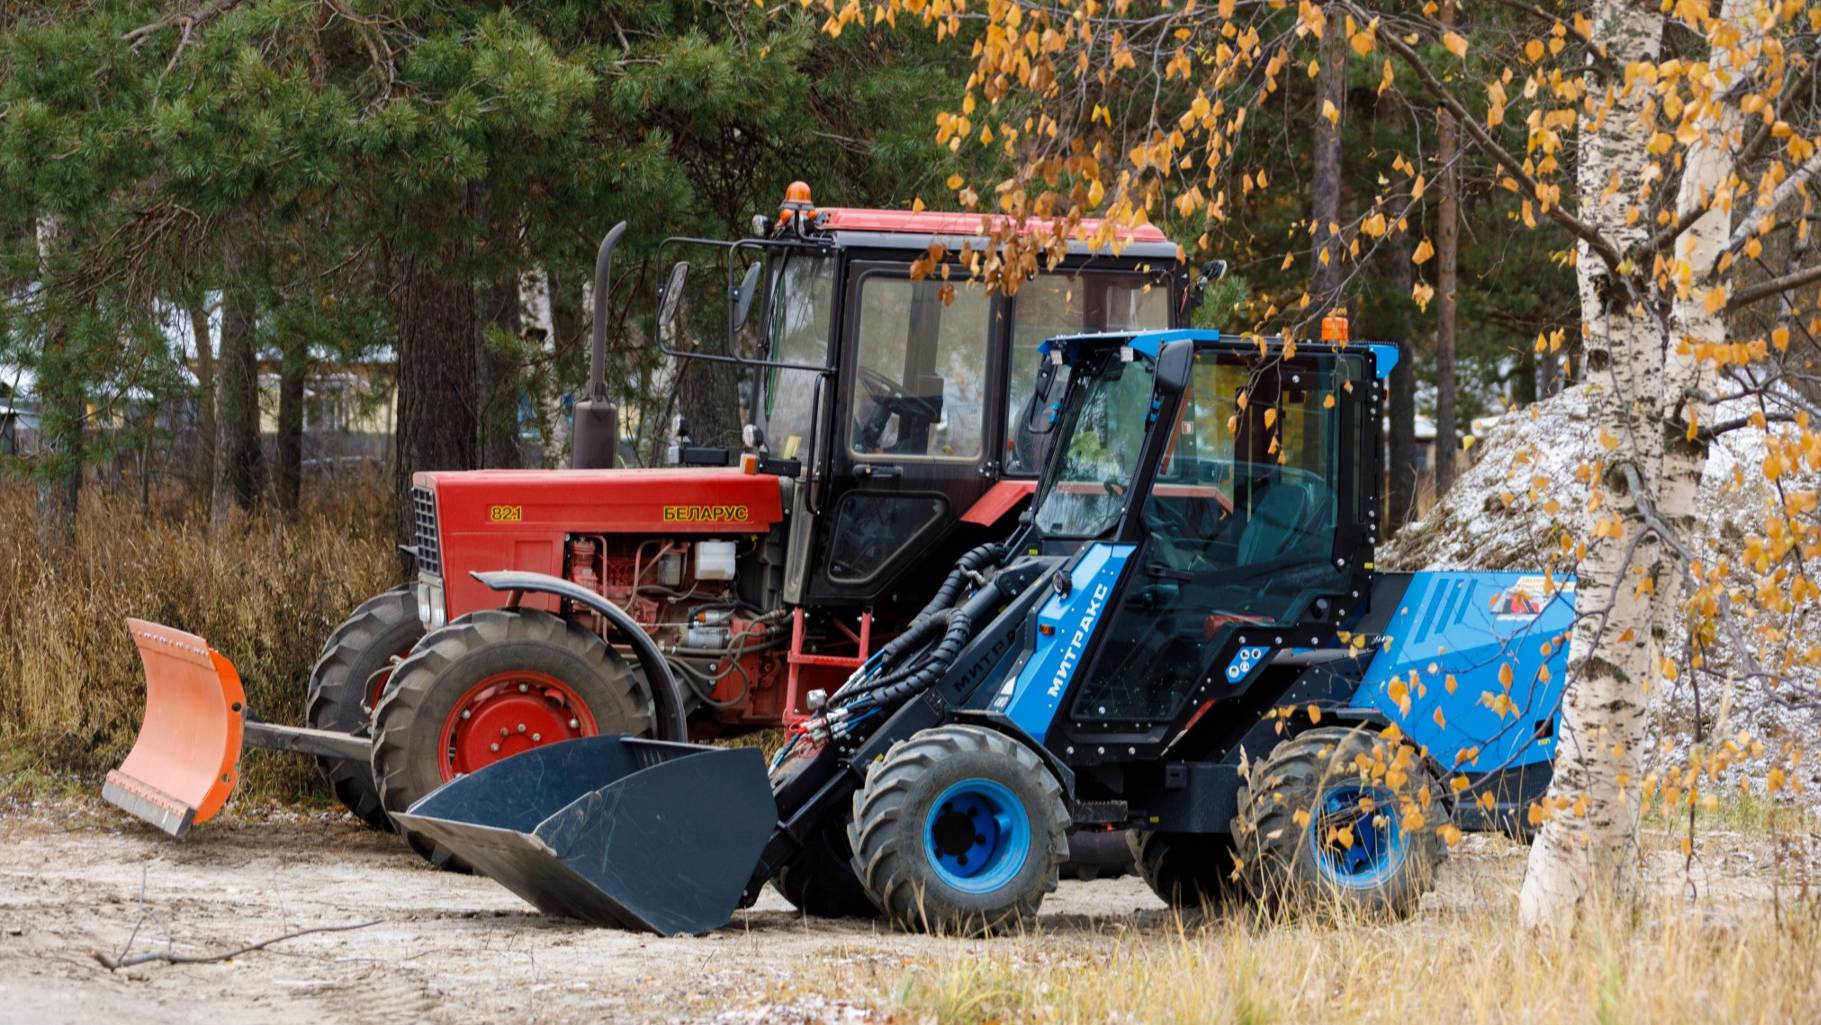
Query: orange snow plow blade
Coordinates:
[186,758]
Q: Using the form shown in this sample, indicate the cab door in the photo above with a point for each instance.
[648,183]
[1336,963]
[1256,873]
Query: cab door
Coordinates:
[914,429]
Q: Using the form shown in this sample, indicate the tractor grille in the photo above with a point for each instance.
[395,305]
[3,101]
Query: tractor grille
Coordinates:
[423,513]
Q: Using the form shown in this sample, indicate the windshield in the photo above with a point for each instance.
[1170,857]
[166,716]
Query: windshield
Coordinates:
[1070,303]
[1102,430]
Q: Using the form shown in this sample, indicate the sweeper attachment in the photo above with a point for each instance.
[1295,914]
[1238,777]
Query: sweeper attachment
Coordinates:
[1187,638]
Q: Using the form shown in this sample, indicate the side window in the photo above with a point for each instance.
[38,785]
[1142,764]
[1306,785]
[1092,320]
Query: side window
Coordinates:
[919,385]
[802,305]
[1055,304]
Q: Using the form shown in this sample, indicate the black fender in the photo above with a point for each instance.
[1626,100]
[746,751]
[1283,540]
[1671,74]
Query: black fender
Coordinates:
[666,693]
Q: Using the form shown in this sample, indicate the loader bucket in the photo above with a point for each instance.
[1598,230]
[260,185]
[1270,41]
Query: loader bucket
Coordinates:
[616,831]
[186,758]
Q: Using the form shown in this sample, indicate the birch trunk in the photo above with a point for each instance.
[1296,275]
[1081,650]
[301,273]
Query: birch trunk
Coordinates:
[1586,844]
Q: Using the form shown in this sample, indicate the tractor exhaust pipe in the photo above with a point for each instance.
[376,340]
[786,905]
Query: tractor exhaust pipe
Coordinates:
[596,437]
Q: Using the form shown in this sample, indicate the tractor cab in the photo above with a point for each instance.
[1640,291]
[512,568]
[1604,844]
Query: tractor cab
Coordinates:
[889,395]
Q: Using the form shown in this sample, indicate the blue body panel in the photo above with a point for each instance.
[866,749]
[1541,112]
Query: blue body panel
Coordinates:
[1032,693]
[1468,625]
[1150,343]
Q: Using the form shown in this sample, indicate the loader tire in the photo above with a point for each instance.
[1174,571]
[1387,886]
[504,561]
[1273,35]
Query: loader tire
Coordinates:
[819,879]
[341,695]
[1189,871]
[1342,857]
[959,829]
[487,686]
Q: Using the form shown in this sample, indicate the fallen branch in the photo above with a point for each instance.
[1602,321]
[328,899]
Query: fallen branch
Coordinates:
[114,964]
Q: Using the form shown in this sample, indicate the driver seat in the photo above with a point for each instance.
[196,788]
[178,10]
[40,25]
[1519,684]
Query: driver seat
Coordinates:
[1280,522]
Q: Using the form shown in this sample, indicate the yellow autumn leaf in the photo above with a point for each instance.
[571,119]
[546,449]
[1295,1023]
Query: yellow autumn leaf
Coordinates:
[1329,111]
[1314,712]
[1455,42]
[1424,252]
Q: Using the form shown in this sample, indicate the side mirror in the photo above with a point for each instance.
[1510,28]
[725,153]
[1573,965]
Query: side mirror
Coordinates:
[672,299]
[1039,403]
[1173,366]
[745,293]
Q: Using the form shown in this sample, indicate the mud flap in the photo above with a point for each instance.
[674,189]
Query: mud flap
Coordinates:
[186,759]
[615,831]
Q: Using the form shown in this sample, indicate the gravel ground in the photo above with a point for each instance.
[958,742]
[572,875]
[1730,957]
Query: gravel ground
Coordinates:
[77,880]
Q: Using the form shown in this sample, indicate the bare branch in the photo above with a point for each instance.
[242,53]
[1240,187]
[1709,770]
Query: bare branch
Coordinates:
[186,21]
[115,963]
[1773,287]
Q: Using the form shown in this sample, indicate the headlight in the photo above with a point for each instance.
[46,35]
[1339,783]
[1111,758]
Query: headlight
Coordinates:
[430,610]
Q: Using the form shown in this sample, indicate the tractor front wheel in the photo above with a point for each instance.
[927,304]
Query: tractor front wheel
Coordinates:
[488,686]
[1325,826]
[959,829]
[346,684]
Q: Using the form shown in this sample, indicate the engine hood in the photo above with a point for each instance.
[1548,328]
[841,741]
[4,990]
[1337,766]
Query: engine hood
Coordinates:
[684,500]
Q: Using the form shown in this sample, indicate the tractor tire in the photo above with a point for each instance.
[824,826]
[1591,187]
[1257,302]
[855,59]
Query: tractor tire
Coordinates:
[1342,856]
[383,628]
[535,678]
[819,879]
[959,829]
[1189,871]
[1098,854]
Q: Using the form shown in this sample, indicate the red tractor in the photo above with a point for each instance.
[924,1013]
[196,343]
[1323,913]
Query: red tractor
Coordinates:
[715,597]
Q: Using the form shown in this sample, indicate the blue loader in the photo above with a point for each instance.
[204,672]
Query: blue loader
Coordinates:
[1186,637]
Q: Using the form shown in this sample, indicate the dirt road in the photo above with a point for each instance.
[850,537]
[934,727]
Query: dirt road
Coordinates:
[79,880]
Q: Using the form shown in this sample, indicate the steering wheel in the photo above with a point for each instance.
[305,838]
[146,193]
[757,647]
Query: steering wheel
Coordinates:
[881,389]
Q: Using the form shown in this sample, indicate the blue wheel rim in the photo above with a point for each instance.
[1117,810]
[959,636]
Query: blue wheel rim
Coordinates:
[1379,844]
[977,835]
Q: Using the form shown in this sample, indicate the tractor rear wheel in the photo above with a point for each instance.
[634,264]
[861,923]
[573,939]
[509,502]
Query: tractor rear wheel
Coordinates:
[487,686]
[346,684]
[819,879]
[1320,833]
[959,829]
[1190,871]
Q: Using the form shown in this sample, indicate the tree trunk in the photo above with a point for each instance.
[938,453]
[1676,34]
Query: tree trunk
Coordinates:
[495,376]
[1447,257]
[204,454]
[1586,842]
[437,395]
[1330,96]
[61,420]
[291,376]
[1395,267]
[239,463]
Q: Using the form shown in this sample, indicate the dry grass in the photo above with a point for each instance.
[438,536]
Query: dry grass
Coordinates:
[264,592]
[1747,950]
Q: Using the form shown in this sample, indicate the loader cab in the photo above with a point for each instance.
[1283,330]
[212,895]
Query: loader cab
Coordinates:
[893,400]
[1229,488]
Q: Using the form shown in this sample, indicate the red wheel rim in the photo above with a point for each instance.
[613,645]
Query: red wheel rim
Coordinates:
[507,713]
[376,684]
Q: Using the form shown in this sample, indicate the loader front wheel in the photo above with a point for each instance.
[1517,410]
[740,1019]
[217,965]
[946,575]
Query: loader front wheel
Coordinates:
[1334,823]
[959,829]
[487,686]
[345,685]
